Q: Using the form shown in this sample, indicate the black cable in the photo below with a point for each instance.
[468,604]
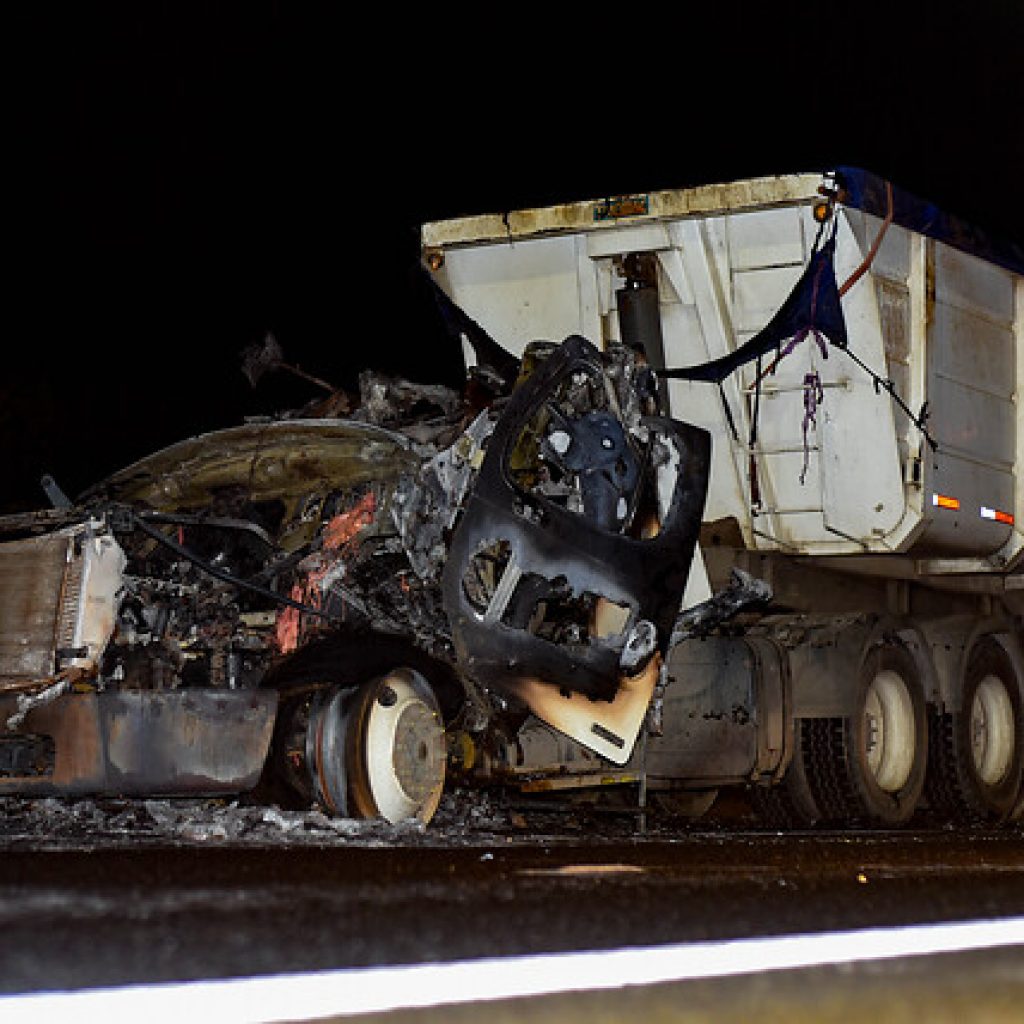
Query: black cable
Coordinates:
[757,405]
[728,413]
[226,577]
[886,384]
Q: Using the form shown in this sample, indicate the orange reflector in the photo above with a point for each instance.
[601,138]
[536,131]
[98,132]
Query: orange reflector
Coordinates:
[995,515]
[944,501]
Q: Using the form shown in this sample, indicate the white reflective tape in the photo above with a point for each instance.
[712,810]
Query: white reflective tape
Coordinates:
[350,993]
[996,515]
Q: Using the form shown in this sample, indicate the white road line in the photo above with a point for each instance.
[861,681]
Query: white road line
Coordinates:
[354,992]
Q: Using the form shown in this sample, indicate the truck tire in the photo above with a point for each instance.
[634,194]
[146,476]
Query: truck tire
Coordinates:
[378,750]
[975,765]
[870,766]
[790,804]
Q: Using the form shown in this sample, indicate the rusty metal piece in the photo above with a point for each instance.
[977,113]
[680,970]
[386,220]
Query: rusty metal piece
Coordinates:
[31,580]
[260,359]
[617,207]
[27,702]
[556,783]
[183,742]
[57,601]
[318,572]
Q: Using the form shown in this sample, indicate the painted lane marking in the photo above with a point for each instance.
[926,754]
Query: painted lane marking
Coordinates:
[354,992]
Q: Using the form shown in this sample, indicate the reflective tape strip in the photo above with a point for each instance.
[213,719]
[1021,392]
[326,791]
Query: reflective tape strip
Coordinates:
[354,992]
[996,515]
[944,501]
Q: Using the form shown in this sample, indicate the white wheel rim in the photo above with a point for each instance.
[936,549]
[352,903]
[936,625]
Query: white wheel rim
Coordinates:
[890,733]
[404,749]
[992,732]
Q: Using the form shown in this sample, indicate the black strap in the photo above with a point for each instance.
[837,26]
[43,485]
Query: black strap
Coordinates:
[812,306]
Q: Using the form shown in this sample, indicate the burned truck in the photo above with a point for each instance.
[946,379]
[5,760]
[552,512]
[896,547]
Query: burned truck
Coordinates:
[338,608]
[729,499]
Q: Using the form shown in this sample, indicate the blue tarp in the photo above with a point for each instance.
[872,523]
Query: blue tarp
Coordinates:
[811,308]
[866,191]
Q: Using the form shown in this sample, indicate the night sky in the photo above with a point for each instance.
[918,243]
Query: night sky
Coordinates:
[187,177]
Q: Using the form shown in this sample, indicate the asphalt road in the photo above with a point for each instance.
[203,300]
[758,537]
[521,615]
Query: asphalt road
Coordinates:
[117,894]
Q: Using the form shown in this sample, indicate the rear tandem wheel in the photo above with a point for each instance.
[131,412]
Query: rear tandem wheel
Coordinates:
[867,767]
[976,761]
[879,754]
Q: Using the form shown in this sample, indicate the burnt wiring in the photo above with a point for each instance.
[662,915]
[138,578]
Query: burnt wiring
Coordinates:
[226,577]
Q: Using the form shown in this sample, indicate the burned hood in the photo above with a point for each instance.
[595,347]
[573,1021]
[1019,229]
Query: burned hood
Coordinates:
[571,554]
[290,463]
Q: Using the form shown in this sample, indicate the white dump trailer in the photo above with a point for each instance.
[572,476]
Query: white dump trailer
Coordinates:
[867,470]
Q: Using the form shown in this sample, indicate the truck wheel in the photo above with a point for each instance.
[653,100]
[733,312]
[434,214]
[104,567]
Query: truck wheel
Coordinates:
[976,759]
[378,751]
[871,766]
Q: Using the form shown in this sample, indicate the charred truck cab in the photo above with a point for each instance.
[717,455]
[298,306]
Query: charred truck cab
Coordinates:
[807,583]
[332,605]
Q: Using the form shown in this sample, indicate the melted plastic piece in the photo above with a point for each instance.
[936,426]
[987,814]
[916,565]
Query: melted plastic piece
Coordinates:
[541,542]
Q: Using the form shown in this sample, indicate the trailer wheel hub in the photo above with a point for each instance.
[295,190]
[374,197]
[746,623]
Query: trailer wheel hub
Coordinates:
[890,734]
[992,734]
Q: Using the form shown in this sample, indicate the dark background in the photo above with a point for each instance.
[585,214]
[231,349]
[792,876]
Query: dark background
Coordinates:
[183,178]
